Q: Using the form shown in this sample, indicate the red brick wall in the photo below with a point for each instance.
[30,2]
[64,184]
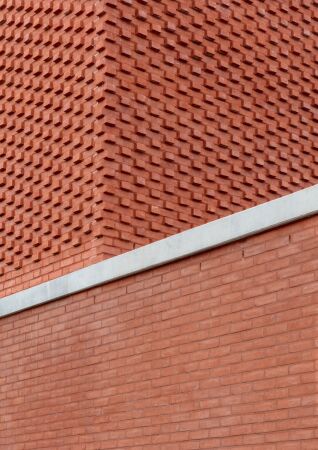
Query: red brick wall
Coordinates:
[48,166]
[214,351]
[122,122]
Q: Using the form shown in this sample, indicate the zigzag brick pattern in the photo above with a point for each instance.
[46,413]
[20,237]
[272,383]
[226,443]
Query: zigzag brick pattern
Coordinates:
[48,138]
[211,108]
[123,122]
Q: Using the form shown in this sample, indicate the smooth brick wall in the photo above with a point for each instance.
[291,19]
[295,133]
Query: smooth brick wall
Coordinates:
[216,351]
[123,122]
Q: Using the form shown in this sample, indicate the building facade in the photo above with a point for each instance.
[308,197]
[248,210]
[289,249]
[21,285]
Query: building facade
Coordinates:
[158,225]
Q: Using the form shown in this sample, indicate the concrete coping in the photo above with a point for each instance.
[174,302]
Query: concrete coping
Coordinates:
[283,210]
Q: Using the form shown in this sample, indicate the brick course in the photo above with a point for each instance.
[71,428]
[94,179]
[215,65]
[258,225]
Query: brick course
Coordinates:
[214,351]
[123,122]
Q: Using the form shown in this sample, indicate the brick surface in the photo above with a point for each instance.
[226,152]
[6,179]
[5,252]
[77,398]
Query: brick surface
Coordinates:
[217,351]
[48,170]
[124,122]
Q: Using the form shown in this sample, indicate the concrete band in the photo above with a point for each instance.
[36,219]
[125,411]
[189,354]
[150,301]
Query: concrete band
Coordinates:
[254,220]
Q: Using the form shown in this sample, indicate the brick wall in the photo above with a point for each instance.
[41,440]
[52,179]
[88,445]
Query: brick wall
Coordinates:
[214,351]
[122,122]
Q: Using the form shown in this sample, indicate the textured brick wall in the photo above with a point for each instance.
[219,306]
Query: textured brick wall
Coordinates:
[217,351]
[210,107]
[122,122]
[48,143]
